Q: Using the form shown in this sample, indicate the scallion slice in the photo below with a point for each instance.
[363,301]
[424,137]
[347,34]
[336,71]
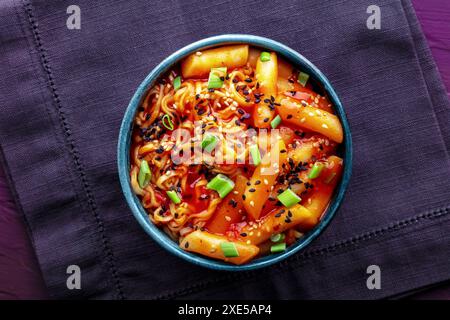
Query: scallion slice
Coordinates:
[277,248]
[209,142]
[277,237]
[229,249]
[144,175]
[222,184]
[315,170]
[256,155]
[167,121]
[177,83]
[275,122]
[173,195]
[288,198]
[303,78]
[265,56]
[216,76]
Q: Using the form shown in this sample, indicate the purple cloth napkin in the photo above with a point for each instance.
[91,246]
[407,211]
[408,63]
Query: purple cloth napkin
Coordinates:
[65,91]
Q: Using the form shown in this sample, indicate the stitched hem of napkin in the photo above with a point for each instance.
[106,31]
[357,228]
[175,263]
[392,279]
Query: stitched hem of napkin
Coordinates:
[302,258]
[347,244]
[431,98]
[73,149]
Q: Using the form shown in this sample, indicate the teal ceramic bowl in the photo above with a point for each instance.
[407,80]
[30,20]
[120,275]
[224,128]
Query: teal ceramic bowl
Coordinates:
[125,139]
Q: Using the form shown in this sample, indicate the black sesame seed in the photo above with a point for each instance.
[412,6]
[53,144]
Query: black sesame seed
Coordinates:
[248,80]
[252,190]
[243,197]
[266,119]
[243,234]
[257,182]
[249,183]
[289,116]
[186,245]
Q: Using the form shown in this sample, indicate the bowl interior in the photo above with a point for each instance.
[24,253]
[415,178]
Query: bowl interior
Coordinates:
[125,140]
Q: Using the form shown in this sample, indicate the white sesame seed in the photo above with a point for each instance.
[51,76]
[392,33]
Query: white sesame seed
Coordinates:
[252,203]
[198,53]
[324,126]
[227,218]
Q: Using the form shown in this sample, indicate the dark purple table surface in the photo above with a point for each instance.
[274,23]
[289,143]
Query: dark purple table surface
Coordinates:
[20,277]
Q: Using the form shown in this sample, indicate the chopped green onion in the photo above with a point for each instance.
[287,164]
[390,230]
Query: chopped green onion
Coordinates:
[167,121]
[277,237]
[177,83]
[303,78]
[173,196]
[277,248]
[256,155]
[288,198]
[222,184]
[216,76]
[330,177]
[275,122]
[315,170]
[209,142]
[229,249]
[265,56]
[144,174]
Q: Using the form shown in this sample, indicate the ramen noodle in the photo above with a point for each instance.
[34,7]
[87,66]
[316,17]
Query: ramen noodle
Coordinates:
[234,153]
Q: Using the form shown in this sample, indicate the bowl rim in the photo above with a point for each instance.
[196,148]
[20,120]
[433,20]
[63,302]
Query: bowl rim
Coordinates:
[125,138]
